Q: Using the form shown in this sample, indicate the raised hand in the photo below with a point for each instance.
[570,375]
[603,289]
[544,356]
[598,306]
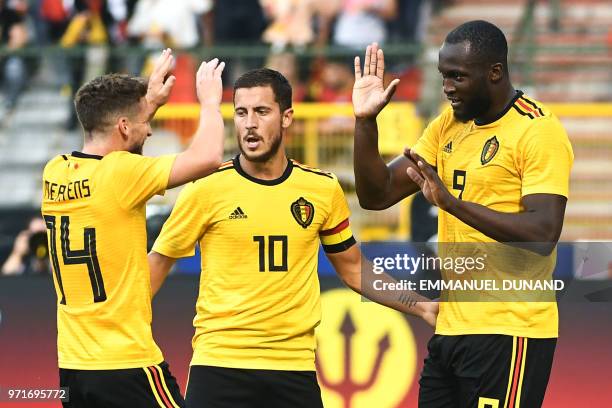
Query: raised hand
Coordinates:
[160,83]
[369,94]
[208,82]
[430,183]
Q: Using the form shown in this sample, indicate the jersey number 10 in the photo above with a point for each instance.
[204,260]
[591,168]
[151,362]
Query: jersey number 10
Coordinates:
[86,256]
[272,240]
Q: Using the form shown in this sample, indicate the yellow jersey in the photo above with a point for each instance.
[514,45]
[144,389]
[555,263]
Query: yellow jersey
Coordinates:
[524,151]
[258,302]
[94,208]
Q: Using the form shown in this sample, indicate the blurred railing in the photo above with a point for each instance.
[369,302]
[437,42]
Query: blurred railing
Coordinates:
[552,66]
[240,51]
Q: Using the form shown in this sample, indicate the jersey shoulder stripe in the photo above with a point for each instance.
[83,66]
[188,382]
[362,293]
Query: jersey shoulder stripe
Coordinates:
[228,165]
[527,108]
[311,169]
[533,105]
[522,112]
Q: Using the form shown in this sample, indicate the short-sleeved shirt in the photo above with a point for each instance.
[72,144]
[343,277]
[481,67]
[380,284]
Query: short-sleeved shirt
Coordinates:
[524,151]
[94,208]
[258,302]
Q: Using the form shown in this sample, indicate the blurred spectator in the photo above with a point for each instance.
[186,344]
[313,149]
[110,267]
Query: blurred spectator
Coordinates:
[237,22]
[411,21]
[93,26]
[333,82]
[298,23]
[325,14]
[361,22]
[168,23]
[13,36]
[87,25]
[286,63]
[55,17]
[30,253]
[50,22]
[160,24]
[290,23]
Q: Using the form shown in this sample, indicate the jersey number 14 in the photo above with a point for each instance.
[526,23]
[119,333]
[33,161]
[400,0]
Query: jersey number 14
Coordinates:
[86,256]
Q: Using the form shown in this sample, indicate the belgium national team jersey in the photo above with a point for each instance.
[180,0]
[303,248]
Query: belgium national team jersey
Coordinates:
[94,208]
[258,303]
[524,151]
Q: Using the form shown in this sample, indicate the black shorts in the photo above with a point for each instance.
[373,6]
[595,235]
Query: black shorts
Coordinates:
[147,387]
[486,371]
[219,387]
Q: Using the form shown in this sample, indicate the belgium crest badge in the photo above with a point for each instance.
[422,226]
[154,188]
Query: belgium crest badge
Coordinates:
[489,150]
[303,212]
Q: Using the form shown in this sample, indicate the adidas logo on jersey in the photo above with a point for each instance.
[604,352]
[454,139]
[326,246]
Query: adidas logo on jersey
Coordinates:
[237,214]
[448,148]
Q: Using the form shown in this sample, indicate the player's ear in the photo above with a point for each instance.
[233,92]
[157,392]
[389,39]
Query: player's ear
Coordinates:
[287,118]
[496,72]
[123,125]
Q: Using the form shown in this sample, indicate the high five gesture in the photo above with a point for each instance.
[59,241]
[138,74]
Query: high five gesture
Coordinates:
[369,94]
[208,83]
[204,154]
[160,82]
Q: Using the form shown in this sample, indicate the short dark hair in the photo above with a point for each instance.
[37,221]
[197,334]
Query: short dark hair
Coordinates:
[487,42]
[267,77]
[100,99]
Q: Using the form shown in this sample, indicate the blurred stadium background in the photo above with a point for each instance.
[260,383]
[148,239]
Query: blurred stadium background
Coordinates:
[561,54]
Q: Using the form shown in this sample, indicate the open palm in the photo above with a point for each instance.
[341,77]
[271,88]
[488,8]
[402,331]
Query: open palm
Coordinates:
[369,94]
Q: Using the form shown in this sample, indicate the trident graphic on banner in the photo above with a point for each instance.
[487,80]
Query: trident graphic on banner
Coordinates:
[366,355]
[347,387]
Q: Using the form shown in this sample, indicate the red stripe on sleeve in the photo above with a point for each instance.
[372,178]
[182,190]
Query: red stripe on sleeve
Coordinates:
[340,227]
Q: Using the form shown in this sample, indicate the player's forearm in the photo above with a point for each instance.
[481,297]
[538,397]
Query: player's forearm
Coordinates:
[208,140]
[372,176]
[160,266]
[151,110]
[361,280]
[522,227]
[205,153]
[404,301]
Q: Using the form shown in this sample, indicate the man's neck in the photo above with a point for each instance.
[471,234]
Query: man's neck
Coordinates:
[268,170]
[100,145]
[506,95]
